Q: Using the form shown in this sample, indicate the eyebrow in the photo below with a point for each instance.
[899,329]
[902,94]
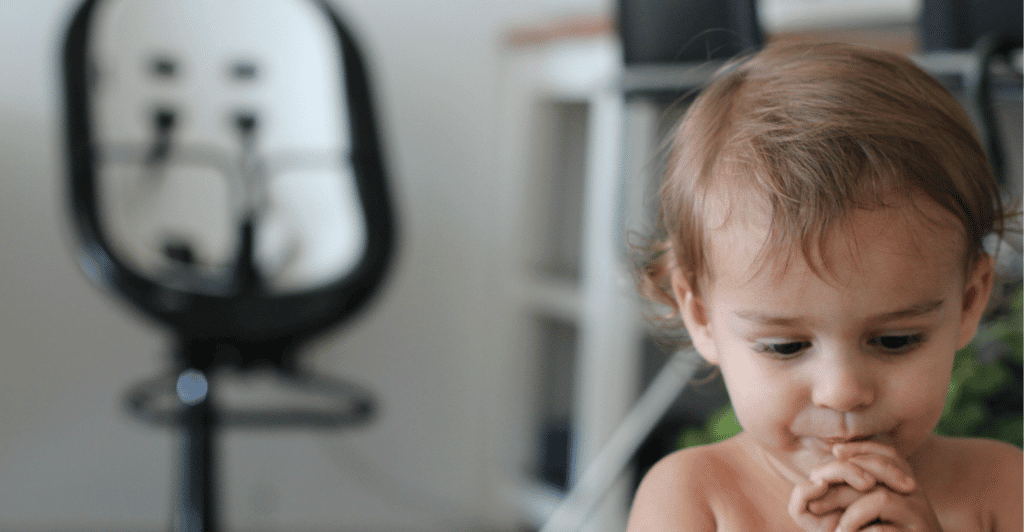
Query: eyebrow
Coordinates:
[919,309]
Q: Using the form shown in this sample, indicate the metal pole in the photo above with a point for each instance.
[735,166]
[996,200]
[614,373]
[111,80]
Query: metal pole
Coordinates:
[196,509]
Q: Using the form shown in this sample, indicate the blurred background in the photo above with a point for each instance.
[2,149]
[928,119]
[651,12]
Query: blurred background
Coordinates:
[505,328]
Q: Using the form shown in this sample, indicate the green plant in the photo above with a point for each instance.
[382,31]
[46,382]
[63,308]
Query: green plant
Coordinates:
[722,424]
[984,397]
[985,391]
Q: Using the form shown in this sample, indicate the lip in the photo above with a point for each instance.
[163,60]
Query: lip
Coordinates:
[846,439]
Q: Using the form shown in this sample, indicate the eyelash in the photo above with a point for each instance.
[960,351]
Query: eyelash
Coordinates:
[904,343]
[782,349]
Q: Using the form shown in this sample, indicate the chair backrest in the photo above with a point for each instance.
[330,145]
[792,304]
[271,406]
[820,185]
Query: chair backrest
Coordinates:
[958,24]
[989,29]
[237,307]
[679,31]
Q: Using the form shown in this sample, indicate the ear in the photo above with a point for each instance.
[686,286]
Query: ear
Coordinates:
[695,317]
[975,299]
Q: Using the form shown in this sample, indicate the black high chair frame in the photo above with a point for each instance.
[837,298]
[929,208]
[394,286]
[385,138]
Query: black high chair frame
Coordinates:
[234,321]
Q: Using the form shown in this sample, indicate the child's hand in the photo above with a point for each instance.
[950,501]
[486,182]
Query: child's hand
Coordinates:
[817,503]
[868,483]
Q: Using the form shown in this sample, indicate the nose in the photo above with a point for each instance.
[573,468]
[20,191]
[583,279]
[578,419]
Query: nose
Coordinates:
[842,381]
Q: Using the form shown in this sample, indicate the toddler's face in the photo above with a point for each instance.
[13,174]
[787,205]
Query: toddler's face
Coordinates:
[865,351]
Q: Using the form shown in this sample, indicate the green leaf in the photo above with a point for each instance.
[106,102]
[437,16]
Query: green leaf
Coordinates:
[724,424]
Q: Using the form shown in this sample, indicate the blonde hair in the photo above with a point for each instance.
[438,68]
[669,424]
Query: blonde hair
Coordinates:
[817,130]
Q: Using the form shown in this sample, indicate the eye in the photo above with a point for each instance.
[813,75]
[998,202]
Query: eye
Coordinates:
[896,343]
[781,349]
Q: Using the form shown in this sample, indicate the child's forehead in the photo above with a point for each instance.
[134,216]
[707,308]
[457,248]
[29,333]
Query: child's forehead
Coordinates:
[742,229]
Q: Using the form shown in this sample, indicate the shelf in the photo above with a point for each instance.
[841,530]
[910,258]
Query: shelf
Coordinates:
[554,297]
[669,78]
[558,175]
[683,77]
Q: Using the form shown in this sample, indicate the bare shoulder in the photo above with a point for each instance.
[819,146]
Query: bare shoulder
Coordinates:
[997,463]
[1003,465]
[994,471]
[674,494]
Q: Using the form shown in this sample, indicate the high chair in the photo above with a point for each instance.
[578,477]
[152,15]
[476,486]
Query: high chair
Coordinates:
[242,298]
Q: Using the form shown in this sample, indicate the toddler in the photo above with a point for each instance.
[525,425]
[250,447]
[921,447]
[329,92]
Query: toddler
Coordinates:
[824,208]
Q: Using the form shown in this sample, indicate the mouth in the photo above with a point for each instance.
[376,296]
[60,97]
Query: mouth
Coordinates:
[846,439]
[824,444]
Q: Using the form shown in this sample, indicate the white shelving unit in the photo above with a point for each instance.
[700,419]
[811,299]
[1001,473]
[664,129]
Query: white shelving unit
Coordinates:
[579,324]
[574,314]
[578,175]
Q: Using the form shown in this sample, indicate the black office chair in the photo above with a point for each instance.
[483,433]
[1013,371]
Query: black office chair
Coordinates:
[234,315]
[991,30]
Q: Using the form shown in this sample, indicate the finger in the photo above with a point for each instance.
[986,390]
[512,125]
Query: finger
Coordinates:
[819,482]
[836,498]
[882,509]
[809,522]
[824,524]
[839,472]
[843,451]
[802,494]
[880,460]
[881,527]
[886,471]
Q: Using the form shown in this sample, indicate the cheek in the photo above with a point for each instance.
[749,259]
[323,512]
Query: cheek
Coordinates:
[761,398]
[922,389]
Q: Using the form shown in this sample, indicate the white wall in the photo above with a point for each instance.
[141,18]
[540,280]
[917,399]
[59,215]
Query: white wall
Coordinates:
[70,459]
